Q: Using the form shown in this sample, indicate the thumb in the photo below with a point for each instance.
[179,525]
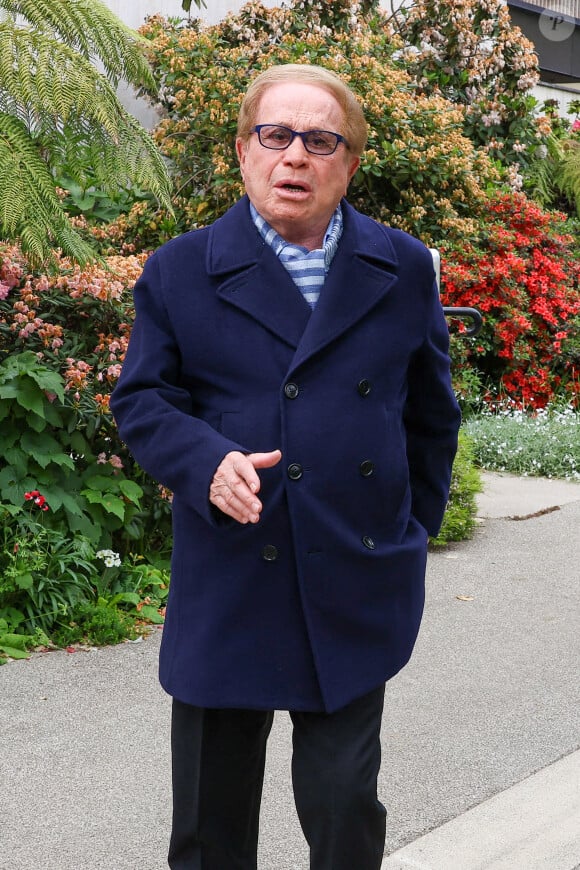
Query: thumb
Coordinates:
[265,460]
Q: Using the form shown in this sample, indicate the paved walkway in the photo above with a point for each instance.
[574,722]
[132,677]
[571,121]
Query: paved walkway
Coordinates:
[480,734]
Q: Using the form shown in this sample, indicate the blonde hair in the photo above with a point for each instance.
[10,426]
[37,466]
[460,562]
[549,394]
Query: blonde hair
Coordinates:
[355,125]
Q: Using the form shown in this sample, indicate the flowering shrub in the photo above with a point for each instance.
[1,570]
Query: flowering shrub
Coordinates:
[419,171]
[524,276]
[54,586]
[470,52]
[546,443]
[62,341]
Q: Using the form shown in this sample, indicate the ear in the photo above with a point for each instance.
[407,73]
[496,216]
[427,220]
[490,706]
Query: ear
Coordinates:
[352,168]
[241,152]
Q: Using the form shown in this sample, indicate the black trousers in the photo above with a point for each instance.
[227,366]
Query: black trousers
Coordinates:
[218,759]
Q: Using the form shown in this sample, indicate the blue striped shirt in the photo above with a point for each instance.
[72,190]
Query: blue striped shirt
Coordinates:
[306,268]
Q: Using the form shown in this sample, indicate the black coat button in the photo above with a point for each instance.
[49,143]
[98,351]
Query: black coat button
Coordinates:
[364,387]
[270,553]
[291,390]
[368,542]
[367,468]
[295,471]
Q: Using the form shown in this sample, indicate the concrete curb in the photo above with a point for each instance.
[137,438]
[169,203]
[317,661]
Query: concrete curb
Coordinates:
[534,825]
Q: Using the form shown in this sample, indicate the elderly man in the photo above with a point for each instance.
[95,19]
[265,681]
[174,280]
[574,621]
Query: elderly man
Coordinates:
[288,379]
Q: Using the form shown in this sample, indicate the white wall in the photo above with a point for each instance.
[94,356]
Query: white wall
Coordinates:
[564,94]
[134,12]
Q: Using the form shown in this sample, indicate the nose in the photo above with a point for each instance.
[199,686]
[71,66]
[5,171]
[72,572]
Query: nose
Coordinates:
[296,151]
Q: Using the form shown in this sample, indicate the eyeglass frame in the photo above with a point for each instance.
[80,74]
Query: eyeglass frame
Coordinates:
[258,127]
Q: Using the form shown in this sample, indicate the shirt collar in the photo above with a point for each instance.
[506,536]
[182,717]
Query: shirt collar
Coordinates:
[278,244]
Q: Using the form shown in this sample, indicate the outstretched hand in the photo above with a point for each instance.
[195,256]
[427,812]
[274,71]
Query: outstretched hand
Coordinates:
[236,483]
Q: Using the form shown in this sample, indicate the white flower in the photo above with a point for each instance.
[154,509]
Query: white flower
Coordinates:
[110,558]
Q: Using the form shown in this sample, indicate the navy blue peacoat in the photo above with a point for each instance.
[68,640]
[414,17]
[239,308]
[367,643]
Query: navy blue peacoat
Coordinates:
[321,600]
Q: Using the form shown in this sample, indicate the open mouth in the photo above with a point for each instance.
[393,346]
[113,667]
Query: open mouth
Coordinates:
[295,188]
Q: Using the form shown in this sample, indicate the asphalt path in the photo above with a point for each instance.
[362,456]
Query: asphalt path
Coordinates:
[482,724]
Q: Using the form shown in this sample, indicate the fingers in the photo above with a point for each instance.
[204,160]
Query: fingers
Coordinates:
[236,482]
[265,460]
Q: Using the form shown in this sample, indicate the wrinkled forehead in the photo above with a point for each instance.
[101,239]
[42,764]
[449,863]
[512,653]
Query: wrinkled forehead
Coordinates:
[301,106]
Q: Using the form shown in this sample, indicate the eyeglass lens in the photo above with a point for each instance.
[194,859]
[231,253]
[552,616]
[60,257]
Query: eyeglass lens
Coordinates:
[315,141]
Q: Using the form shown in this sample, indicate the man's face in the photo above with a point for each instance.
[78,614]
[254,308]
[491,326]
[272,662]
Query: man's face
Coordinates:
[295,191]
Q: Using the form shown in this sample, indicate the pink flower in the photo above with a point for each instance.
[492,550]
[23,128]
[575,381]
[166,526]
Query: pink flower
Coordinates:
[4,290]
[576,126]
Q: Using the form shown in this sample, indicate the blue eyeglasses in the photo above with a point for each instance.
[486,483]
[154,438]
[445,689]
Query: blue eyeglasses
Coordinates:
[278,138]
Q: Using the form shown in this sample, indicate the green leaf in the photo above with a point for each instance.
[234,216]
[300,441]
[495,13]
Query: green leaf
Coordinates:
[81,523]
[58,107]
[15,457]
[13,486]
[151,614]
[13,652]
[111,503]
[16,641]
[127,597]
[45,449]
[131,490]
[78,442]
[38,423]
[24,581]
[28,395]
[10,616]
[100,483]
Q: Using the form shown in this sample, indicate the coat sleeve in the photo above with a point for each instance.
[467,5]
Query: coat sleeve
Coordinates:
[432,420]
[154,413]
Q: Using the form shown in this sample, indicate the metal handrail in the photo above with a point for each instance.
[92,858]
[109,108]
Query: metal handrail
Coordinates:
[466,314]
[462,313]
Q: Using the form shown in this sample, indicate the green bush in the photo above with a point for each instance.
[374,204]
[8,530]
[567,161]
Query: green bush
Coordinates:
[48,444]
[459,520]
[96,624]
[62,342]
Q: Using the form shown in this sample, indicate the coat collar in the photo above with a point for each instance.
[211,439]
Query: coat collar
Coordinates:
[251,278]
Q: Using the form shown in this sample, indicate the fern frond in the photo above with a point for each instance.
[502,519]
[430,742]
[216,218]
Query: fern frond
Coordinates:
[57,109]
[52,82]
[94,31]
[29,207]
[63,99]
[542,174]
[569,175]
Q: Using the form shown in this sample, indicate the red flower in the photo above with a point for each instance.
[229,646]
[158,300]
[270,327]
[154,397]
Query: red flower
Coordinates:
[39,500]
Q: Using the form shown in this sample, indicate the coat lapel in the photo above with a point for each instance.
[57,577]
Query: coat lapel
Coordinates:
[252,278]
[362,273]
